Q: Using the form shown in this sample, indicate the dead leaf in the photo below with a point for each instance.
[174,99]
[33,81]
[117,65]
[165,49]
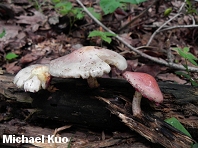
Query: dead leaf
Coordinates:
[28,58]
[38,19]
[171,77]
[11,31]
[126,37]
[12,68]
[150,69]
[132,65]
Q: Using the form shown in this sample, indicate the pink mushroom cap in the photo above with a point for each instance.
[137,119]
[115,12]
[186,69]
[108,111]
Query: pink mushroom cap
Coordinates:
[145,84]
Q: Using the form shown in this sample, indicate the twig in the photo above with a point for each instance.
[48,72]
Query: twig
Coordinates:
[157,60]
[179,26]
[179,13]
[151,38]
[193,20]
[168,49]
[138,16]
[141,47]
[182,6]
[165,28]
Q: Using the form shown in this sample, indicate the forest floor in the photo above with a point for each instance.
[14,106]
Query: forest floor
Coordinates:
[36,32]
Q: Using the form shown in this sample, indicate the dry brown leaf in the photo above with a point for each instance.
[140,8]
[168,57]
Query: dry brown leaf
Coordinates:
[28,58]
[171,77]
[132,65]
[38,19]
[177,3]
[126,37]
[150,69]
[11,31]
[12,68]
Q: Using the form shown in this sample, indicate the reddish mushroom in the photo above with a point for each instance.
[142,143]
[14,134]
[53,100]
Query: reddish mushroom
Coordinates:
[145,86]
[87,62]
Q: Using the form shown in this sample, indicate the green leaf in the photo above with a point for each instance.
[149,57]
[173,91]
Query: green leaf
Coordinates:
[109,34]
[106,39]
[133,1]
[181,52]
[183,74]
[55,1]
[79,16]
[61,4]
[10,56]
[105,36]
[77,12]
[100,33]
[109,6]
[193,62]
[64,7]
[187,55]
[2,34]
[175,123]
[195,145]
[167,11]
[191,58]
[186,49]
[192,81]
[95,14]
[95,33]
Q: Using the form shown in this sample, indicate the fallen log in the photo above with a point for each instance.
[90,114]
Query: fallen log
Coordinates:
[72,101]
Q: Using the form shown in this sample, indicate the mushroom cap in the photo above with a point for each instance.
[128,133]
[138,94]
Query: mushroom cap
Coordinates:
[145,84]
[32,85]
[85,62]
[33,77]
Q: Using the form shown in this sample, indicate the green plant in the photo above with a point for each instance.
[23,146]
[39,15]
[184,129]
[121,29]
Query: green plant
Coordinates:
[37,4]
[96,15]
[65,7]
[109,6]
[105,36]
[191,9]
[2,34]
[185,53]
[11,55]
[167,11]
[176,124]
[70,142]
[195,145]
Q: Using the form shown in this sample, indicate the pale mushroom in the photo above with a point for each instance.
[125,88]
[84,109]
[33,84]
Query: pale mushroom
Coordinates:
[145,86]
[87,62]
[33,78]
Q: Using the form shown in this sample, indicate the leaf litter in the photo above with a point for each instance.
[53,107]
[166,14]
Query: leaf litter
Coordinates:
[31,36]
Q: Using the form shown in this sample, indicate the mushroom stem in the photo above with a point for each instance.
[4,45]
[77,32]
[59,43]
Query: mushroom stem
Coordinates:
[92,82]
[136,109]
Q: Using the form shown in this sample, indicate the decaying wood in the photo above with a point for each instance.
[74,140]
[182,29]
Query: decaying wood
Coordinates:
[155,130]
[81,139]
[72,101]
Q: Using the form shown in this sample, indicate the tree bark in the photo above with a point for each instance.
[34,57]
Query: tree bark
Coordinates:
[72,101]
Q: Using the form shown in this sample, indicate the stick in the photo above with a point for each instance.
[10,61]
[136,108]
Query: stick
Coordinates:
[157,60]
